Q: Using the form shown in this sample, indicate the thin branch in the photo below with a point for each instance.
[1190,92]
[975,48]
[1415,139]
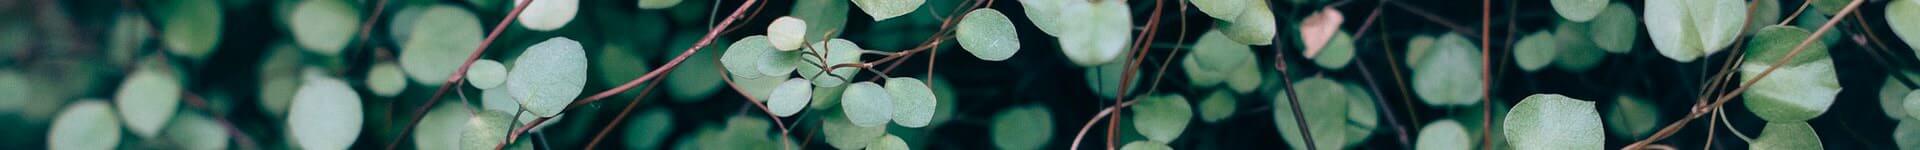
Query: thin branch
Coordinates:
[1430,16]
[1486,111]
[458,73]
[623,115]
[657,72]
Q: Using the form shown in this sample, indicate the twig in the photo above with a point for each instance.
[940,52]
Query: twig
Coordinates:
[657,72]
[623,115]
[1486,110]
[1371,85]
[1463,30]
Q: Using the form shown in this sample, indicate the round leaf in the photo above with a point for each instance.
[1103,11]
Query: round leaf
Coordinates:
[1253,27]
[547,76]
[325,114]
[1617,29]
[1535,51]
[440,42]
[1027,127]
[1220,9]
[1632,118]
[386,80]
[1579,10]
[698,78]
[1793,93]
[867,104]
[84,125]
[1162,118]
[148,99]
[1773,43]
[1097,32]
[1552,121]
[842,134]
[1337,54]
[1893,96]
[743,58]
[761,89]
[824,17]
[1907,135]
[442,126]
[1577,51]
[192,28]
[790,97]
[487,74]
[650,129]
[885,9]
[1443,135]
[1417,48]
[888,142]
[1450,74]
[324,27]
[1044,14]
[785,33]
[913,102]
[1218,106]
[1247,78]
[1913,103]
[489,129]
[547,15]
[988,35]
[614,65]
[1907,29]
[1685,30]
[1786,135]
[1217,53]
[196,131]
[1324,104]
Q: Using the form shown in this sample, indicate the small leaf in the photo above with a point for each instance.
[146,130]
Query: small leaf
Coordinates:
[824,17]
[487,74]
[1196,76]
[1417,48]
[1362,115]
[192,28]
[1786,135]
[196,131]
[843,134]
[1162,118]
[886,9]
[127,39]
[1794,93]
[1773,43]
[1217,106]
[547,76]
[324,27]
[761,89]
[1095,32]
[1579,10]
[1220,9]
[1632,118]
[1443,134]
[790,97]
[1907,135]
[1247,78]
[442,126]
[1338,52]
[867,104]
[147,99]
[547,15]
[658,4]
[1678,31]
[988,35]
[913,103]
[1253,27]
[1908,29]
[785,33]
[386,80]
[837,51]
[488,129]
[1044,14]
[1535,51]
[1450,74]
[1552,121]
[1145,145]
[1913,103]
[440,42]
[1317,31]
[1893,96]
[743,58]
[1024,127]
[614,65]
[1617,29]
[650,129]
[888,142]
[1324,104]
[1578,53]
[325,114]
[1217,53]
[84,124]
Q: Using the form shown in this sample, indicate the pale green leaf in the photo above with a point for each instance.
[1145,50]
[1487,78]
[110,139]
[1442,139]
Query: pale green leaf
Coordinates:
[1220,9]
[761,89]
[547,15]
[886,9]
[826,97]
[386,80]
[867,104]
[1443,135]
[658,4]
[147,99]
[498,100]
[988,35]
[1196,76]
[1105,79]
[1786,135]
[441,40]
[1145,145]
[743,58]
[1417,48]
[786,33]
[650,129]
[1217,53]
[324,27]
[1535,51]
[1908,29]
[1247,78]
[488,129]
[487,74]
[1718,21]
[842,134]
[1024,127]
[1094,33]
[195,131]
[913,103]
[547,76]
[1579,10]
[325,114]
[1255,26]
[1632,118]
[1450,73]
[824,17]
[441,127]
[1616,30]
[1893,95]
[127,39]
[84,125]
[1672,30]
[790,97]
[1792,93]
[1162,118]
[1324,104]
[778,63]
[400,29]
[1362,115]
[1553,121]
[1218,106]
[837,51]
[192,28]
[1773,43]
[1337,54]
[1907,135]
[1913,103]
[1577,51]
[1044,14]
[888,142]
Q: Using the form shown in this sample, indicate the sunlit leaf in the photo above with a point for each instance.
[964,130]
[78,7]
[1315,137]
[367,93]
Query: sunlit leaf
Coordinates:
[1253,27]
[843,134]
[1793,93]
[1786,135]
[441,127]
[547,76]
[547,15]
[1552,121]
[988,35]
[790,97]
[324,27]
[1632,118]
[837,51]
[441,40]
[1450,75]
[886,9]
[1218,106]
[1773,43]
[650,129]
[1577,51]
[1324,104]
[1094,33]
[1145,145]
[1907,29]
[192,28]
[386,80]
[1162,118]
[1023,127]
[785,33]
[1617,29]
[1579,10]
[147,99]
[1535,51]
[84,125]
[1317,31]
[325,114]
[1443,135]
[913,103]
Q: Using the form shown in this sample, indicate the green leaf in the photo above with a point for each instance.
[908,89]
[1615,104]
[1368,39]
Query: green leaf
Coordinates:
[84,124]
[1577,51]
[867,104]
[790,97]
[325,114]
[191,28]
[324,27]
[547,15]
[824,17]
[547,76]
[650,129]
[489,129]
[988,35]
[1579,10]
[441,40]
[1253,27]
[1907,135]
[1417,48]
[786,33]
[1162,118]
[127,39]
[1829,7]
[1217,53]
[1786,135]
[616,64]
[1105,80]
[1907,29]
[196,131]
[1094,32]
[1632,118]
[826,97]
[1443,134]
[1773,43]
[1685,30]
[1450,73]
[1362,115]
[1893,95]
[498,100]
[1535,51]
[400,28]
[487,74]
[1145,145]
[1023,127]
[1196,75]
[837,51]
[843,134]
[386,80]
[658,4]
[1913,103]
[1247,78]
[1217,106]
[743,58]
[18,91]
[1617,29]
[1794,93]
[886,9]
[1337,54]
[1220,9]
[1044,14]
[1324,104]
[1552,121]
[888,142]
[913,102]
[778,63]
[1764,13]
[762,88]
[147,99]
[442,126]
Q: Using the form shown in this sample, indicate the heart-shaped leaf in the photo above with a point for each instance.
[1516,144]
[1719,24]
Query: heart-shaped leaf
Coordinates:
[1552,121]
[547,76]
[1685,30]
[1786,135]
[1094,33]
[988,35]
[1162,118]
